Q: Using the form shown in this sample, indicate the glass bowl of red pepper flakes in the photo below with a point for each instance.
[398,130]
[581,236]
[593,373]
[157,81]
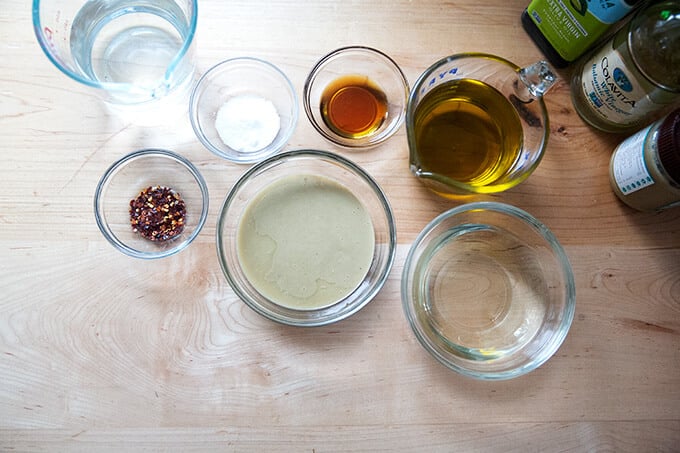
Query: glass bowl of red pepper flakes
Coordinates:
[151,203]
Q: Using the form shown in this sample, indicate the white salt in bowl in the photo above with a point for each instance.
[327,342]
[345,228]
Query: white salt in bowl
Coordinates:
[244,109]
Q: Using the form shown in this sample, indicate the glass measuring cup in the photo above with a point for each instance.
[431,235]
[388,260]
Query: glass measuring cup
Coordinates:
[477,123]
[131,51]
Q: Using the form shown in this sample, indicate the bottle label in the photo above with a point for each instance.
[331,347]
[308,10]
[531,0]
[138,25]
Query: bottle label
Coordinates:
[612,90]
[572,25]
[628,167]
[606,11]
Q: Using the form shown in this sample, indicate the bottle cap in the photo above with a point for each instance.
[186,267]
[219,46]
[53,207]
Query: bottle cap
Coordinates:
[669,145]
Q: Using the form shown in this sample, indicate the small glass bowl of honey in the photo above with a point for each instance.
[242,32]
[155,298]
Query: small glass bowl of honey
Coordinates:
[356,97]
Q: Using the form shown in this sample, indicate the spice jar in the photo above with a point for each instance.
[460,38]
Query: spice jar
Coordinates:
[645,168]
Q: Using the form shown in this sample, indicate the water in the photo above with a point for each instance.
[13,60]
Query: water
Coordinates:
[484,291]
[132,42]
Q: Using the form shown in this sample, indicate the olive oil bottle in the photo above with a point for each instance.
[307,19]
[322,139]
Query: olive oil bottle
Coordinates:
[564,30]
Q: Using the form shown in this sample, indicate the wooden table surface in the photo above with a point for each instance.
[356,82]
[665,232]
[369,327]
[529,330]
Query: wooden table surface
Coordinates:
[102,351]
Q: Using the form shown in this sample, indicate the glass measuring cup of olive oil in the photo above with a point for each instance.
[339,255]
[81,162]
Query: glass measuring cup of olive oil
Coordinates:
[477,123]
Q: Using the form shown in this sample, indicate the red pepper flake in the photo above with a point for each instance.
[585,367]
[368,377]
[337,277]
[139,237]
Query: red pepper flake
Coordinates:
[158,213]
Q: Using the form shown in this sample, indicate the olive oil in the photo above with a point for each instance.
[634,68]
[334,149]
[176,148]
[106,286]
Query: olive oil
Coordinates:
[353,106]
[467,131]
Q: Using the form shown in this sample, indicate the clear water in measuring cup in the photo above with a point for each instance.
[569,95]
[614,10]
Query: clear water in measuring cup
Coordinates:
[135,43]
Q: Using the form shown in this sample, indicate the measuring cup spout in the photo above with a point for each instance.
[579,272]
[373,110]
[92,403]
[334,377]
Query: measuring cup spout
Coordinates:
[536,80]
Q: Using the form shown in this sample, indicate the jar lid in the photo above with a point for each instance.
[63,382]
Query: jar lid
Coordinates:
[669,145]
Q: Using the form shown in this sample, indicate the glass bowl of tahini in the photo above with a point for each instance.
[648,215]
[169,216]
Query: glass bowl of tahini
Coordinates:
[306,238]
[356,97]
[244,109]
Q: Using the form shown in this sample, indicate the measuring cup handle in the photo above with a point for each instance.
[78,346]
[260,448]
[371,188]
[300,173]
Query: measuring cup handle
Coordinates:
[536,79]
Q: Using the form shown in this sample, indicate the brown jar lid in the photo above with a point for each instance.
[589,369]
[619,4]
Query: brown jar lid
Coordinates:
[668,143]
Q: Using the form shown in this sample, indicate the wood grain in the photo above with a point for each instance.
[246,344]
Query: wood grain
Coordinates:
[102,352]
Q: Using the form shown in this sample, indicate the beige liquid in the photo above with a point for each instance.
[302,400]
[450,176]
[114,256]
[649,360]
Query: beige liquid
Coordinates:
[467,131]
[305,242]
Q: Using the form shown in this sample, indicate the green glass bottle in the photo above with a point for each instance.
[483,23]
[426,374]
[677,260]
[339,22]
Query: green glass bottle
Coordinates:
[565,29]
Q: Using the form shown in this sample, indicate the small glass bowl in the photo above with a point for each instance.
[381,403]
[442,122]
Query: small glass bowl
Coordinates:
[488,291]
[359,63]
[304,163]
[239,78]
[127,178]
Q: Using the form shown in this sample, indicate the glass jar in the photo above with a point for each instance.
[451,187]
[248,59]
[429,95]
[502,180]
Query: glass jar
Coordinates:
[644,170]
[635,77]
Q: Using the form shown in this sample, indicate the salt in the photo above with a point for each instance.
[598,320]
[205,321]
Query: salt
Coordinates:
[247,123]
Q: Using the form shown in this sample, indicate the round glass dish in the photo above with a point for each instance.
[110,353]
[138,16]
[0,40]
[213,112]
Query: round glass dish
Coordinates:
[234,109]
[269,179]
[127,178]
[369,92]
[488,291]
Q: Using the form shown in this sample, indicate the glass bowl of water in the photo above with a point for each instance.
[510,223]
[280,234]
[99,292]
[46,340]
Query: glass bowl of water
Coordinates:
[306,238]
[488,291]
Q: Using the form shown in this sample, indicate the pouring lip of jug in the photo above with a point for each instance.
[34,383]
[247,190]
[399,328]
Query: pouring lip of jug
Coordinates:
[429,79]
[44,36]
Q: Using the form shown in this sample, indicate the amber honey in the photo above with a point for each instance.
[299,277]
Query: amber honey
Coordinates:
[467,131]
[353,106]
